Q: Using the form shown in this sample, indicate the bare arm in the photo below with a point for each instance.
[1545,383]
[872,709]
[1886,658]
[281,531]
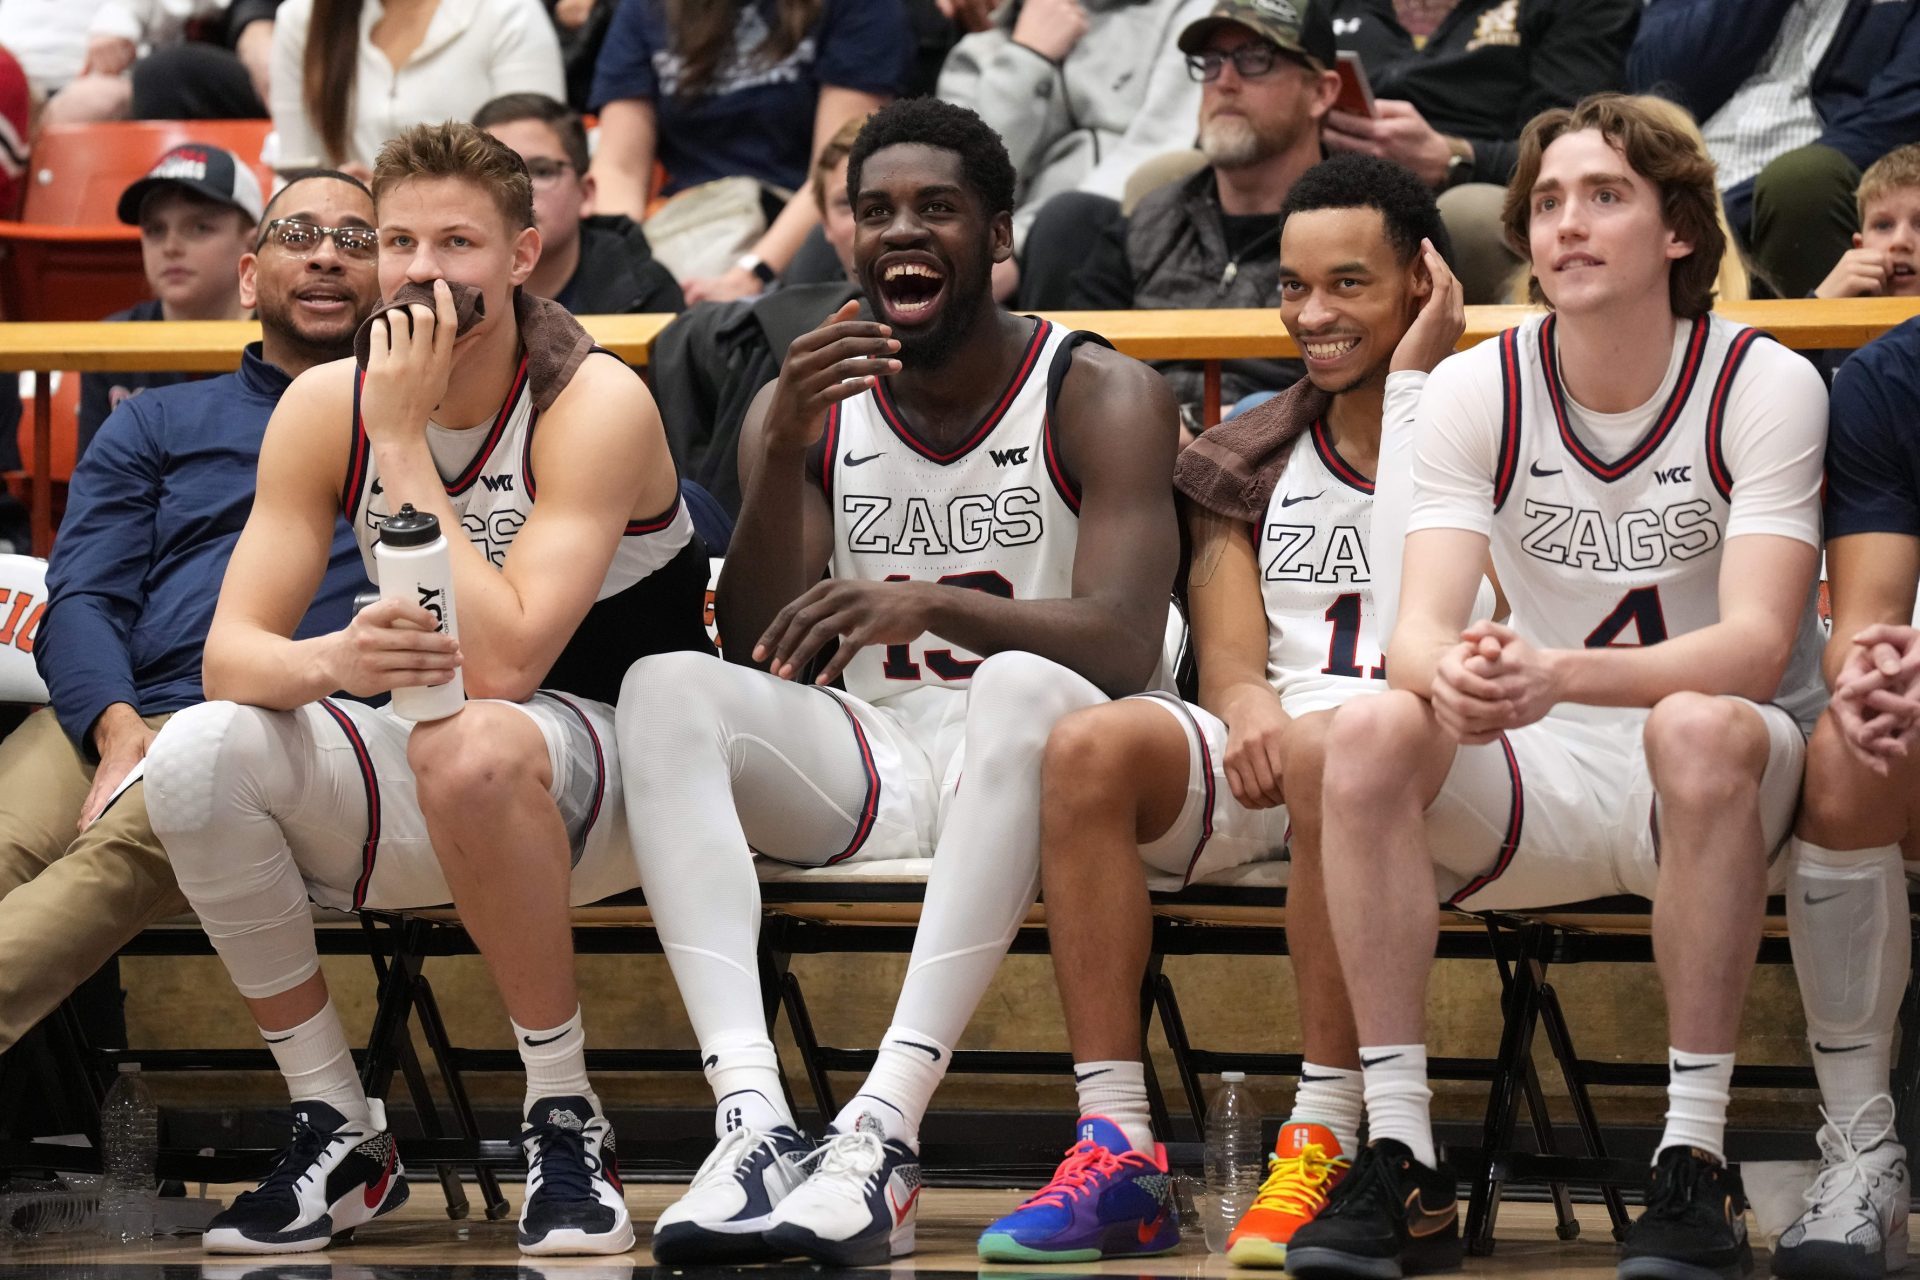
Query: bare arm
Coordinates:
[623,163]
[1226,613]
[1440,577]
[1870,580]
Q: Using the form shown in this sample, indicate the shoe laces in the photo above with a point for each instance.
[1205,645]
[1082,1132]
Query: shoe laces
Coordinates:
[1842,1148]
[1369,1185]
[1297,1184]
[1676,1189]
[845,1162]
[566,1166]
[1086,1163]
[296,1164]
[724,1163]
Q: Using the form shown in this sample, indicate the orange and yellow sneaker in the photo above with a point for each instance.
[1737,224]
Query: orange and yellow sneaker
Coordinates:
[1305,1164]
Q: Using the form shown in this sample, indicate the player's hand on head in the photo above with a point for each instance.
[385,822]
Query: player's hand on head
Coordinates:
[1255,758]
[853,612]
[390,645]
[835,362]
[1436,330]
[409,363]
[1860,273]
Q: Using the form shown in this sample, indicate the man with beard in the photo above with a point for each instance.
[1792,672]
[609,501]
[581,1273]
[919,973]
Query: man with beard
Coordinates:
[1213,240]
[155,509]
[938,465]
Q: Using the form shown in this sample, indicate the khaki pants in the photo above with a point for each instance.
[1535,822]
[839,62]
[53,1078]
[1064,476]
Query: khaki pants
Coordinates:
[68,901]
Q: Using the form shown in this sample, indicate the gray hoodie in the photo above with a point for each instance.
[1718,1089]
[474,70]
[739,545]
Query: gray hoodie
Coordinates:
[1122,97]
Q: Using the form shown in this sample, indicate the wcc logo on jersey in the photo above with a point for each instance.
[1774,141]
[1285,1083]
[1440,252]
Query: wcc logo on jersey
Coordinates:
[887,524]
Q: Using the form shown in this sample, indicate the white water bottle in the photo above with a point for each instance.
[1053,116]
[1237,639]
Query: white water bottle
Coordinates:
[412,564]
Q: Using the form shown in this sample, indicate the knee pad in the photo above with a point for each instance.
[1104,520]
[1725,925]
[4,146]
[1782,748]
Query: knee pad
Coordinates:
[1852,942]
[197,764]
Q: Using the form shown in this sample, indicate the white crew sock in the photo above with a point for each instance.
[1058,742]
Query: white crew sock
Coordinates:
[1398,1101]
[1698,1085]
[556,1062]
[909,1068]
[744,1074]
[318,1064]
[1118,1091]
[1332,1097]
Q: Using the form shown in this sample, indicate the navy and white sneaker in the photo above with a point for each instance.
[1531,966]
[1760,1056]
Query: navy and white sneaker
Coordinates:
[857,1207]
[336,1175]
[574,1203]
[732,1198]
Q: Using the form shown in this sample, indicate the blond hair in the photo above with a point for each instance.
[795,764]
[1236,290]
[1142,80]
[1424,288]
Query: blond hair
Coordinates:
[457,149]
[1898,168]
[837,149]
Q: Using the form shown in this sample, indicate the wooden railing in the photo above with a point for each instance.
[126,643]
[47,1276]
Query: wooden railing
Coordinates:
[1207,336]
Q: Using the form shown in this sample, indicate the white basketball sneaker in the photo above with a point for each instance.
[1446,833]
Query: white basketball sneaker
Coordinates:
[335,1175]
[574,1202]
[1855,1226]
[731,1199]
[857,1209]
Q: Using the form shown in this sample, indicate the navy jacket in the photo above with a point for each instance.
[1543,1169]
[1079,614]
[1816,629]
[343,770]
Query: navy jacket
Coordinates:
[153,513]
[1866,88]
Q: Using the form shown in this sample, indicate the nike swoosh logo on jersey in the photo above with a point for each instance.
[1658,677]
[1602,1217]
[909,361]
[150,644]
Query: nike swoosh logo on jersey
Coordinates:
[852,461]
[1374,1062]
[1424,1221]
[928,1049]
[1812,901]
[1691,1066]
[1288,502]
[531,1043]
[1843,1048]
[1534,470]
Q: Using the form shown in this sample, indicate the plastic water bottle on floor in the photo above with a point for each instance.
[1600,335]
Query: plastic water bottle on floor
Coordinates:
[1235,1159]
[129,1145]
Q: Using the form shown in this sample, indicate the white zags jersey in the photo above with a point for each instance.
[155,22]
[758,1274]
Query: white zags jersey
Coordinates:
[493,495]
[998,513]
[1314,575]
[1593,553]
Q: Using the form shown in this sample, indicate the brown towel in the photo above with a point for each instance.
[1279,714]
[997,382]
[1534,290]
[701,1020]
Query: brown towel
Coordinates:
[554,341]
[1232,469]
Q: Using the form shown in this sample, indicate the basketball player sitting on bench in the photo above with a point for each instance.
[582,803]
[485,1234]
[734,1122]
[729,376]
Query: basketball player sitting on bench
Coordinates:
[509,808]
[1648,478]
[973,483]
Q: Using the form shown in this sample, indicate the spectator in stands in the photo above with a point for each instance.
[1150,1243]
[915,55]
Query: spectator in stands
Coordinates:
[1083,94]
[1886,249]
[204,80]
[1796,97]
[197,210]
[827,255]
[16,127]
[347,75]
[120,32]
[49,37]
[591,264]
[154,512]
[1213,240]
[1454,82]
[745,88]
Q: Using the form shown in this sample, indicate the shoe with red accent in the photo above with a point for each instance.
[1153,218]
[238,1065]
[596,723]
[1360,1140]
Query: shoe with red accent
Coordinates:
[336,1175]
[1106,1200]
[858,1205]
[574,1201]
[1306,1164]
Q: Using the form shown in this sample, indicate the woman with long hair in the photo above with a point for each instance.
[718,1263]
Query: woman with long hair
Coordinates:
[349,74]
[728,88]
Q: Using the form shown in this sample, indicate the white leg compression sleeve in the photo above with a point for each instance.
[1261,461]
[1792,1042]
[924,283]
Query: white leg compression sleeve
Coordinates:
[720,760]
[1852,948]
[986,872]
[227,787]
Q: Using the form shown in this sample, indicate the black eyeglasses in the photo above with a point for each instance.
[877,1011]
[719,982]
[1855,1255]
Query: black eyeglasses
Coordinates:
[1251,60]
[300,238]
[546,171]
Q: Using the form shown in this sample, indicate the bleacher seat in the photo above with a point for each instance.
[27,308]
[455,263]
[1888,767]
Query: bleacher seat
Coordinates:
[63,437]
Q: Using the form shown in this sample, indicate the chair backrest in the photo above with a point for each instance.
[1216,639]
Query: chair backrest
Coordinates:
[77,172]
[23,599]
[57,273]
[63,433]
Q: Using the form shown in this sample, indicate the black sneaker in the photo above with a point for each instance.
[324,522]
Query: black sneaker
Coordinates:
[1694,1226]
[1390,1216]
[574,1202]
[335,1176]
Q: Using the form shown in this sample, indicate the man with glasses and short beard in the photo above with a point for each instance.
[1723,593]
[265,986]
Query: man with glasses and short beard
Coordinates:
[1213,239]
[593,264]
[154,511]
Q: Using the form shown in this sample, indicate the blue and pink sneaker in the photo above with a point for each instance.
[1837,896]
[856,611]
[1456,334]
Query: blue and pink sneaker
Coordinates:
[1106,1200]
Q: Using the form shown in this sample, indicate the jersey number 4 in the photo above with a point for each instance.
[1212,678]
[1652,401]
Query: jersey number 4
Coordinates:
[1638,610]
[900,664]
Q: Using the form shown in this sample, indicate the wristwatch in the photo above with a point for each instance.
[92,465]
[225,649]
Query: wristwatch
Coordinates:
[755,266]
[1459,163]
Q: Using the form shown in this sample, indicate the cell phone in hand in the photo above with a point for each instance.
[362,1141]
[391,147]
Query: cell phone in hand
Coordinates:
[1356,94]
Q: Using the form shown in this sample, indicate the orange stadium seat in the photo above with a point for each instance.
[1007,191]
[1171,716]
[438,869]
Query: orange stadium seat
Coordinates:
[69,257]
[63,436]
